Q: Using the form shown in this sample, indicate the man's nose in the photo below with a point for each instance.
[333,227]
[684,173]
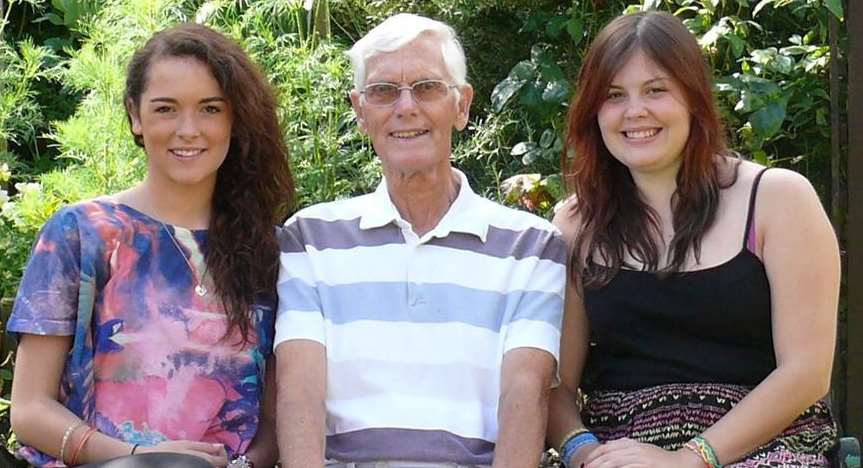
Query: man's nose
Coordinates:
[405,102]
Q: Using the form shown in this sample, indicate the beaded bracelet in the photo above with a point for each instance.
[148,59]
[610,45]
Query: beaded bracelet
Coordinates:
[574,443]
[65,440]
[704,450]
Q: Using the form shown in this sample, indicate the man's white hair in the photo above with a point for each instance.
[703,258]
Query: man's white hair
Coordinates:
[397,31]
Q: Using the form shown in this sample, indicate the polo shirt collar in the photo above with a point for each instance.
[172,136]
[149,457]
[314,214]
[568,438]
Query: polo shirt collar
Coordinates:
[464,215]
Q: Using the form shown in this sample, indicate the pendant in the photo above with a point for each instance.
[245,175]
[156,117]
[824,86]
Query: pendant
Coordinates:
[201,290]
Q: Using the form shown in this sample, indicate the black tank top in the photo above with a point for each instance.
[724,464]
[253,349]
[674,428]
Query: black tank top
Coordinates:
[711,325]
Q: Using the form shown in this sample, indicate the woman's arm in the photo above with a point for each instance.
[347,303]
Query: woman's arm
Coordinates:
[801,256]
[563,414]
[263,451]
[39,420]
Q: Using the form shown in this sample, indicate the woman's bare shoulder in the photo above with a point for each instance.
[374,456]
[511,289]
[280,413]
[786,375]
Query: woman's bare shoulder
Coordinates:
[567,219]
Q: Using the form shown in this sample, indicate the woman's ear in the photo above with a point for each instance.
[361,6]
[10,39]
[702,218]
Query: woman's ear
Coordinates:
[134,117]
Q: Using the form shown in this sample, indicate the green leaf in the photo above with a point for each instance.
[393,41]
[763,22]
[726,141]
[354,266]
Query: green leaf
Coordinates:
[555,26]
[547,138]
[767,121]
[782,64]
[835,7]
[556,92]
[530,157]
[522,148]
[763,56]
[737,45]
[548,69]
[530,96]
[506,89]
[575,28]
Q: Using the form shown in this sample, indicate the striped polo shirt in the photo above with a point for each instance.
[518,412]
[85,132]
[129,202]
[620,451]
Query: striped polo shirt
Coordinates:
[415,328]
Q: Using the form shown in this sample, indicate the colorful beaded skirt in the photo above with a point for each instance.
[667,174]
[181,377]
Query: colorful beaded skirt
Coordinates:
[669,415]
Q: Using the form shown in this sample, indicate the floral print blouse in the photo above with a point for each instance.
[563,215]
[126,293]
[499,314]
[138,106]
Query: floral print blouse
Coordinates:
[149,360]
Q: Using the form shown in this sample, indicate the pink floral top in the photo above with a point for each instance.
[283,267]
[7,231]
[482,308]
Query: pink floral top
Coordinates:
[149,360]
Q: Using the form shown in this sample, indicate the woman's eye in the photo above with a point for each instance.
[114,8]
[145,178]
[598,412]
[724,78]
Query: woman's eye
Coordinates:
[613,95]
[212,110]
[656,90]
[163,109]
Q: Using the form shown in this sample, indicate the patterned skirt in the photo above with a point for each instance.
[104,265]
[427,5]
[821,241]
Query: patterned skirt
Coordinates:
[669,415]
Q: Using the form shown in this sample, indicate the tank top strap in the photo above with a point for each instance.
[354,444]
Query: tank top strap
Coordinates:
[749,232]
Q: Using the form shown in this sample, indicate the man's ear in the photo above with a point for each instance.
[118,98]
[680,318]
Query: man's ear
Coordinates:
[134,117]
[358,109]
[464,101]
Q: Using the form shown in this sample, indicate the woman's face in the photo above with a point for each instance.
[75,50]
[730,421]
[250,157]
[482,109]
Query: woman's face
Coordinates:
[185,121]
[644,118]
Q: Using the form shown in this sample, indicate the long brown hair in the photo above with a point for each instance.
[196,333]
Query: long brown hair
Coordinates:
[254,188]
[614,219]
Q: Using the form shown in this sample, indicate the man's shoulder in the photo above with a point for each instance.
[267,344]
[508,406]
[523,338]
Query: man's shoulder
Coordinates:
[336,210]
[505,217]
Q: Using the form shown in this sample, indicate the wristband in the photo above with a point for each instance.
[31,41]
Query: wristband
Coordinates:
[574,443]
[704,450]
[570,435]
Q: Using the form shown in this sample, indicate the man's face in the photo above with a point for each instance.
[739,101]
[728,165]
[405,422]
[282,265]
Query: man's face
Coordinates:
[411,136]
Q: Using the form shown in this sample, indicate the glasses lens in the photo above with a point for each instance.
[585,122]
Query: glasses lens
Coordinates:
[427,91]
[382,93]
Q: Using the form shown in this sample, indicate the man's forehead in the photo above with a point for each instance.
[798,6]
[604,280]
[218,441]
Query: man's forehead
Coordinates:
[423,56]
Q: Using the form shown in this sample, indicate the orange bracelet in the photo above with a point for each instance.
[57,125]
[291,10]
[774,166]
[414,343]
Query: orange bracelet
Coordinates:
[80,445]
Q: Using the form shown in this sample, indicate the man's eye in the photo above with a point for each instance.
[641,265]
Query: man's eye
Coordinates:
[163,109]
[380,89]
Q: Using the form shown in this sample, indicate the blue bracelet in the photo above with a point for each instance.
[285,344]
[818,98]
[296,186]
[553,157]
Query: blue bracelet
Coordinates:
[572,445]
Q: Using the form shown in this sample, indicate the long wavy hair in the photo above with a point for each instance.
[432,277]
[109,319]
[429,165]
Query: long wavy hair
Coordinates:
[614,218]
[254,188]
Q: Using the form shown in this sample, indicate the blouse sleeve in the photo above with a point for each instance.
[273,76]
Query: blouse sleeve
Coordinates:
[47,299]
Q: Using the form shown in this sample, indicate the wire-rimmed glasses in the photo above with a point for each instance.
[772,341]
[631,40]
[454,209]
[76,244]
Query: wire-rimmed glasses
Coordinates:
[386,94]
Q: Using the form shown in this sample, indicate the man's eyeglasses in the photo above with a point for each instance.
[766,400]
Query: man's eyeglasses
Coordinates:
[386,94]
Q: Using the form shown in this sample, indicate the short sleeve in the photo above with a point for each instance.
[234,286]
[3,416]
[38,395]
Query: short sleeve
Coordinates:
[47,299]
[536,322]
[299,314]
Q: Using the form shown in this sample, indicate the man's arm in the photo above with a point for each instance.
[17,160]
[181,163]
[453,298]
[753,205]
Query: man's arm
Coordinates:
[526,377]
[301,376]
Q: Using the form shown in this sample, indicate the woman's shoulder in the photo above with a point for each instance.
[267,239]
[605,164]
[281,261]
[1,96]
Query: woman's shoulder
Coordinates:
[772,181]
[567,219]
[98,218]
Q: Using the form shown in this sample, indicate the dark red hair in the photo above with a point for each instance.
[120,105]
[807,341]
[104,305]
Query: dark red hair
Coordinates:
[254,188]
[614,218]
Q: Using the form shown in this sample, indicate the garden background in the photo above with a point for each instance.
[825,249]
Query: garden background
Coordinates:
[64,136]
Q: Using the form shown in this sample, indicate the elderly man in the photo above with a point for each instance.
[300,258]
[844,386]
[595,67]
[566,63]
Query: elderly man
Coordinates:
[418,326]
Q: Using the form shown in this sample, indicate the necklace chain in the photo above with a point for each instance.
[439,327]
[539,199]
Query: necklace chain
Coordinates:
[200,289]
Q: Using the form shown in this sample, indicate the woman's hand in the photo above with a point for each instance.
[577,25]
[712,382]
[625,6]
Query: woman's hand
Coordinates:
[213,453]
[629,453]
